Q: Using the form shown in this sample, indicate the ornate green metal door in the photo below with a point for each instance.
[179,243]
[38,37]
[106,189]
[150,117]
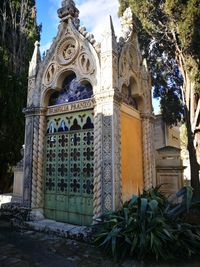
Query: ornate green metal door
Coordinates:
[68,187]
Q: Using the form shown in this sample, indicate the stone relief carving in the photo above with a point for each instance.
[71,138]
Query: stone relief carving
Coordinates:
[86,64]
[50,73]
[67,50]
[127,23]
[31,85]
[107,161]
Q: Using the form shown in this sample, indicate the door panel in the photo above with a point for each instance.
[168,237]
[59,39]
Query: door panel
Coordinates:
[69,168]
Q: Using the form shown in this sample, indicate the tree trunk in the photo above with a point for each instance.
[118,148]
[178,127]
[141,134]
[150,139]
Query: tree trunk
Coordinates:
[194,166]
[189,108]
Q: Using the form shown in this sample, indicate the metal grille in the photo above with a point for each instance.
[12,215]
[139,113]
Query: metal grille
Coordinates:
[69,168]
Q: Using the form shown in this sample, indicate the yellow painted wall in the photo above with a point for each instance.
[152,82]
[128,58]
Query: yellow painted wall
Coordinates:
[131,155]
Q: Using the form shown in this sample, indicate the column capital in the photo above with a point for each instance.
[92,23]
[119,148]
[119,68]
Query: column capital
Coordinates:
[149,116]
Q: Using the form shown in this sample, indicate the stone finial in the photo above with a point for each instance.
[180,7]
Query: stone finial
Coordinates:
[68,9]
[36,58]
[127,25]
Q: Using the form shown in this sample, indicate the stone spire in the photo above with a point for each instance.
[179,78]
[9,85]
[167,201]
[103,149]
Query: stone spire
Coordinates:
[68,9]
[109,39]
[36,58]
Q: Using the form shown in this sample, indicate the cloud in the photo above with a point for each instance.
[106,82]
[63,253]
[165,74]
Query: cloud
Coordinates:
[93,15]
[45,47]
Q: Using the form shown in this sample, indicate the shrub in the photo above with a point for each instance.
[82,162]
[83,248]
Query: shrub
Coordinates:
[149,226]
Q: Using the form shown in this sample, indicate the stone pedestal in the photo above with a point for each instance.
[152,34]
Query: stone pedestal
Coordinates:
[18,181]
[169,169]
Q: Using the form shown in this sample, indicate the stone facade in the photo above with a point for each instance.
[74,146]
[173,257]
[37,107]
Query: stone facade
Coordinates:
[118,75]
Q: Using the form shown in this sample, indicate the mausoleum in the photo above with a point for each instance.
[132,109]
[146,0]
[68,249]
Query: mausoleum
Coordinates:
[89,123]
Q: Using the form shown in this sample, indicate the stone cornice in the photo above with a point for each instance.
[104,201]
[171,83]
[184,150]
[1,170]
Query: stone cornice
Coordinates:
[108,96]
[32,111]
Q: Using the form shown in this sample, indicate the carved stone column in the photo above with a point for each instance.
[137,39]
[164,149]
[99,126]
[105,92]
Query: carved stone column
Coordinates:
[107,170]
[28,155]
[37,163]
[148,150]
[33,157]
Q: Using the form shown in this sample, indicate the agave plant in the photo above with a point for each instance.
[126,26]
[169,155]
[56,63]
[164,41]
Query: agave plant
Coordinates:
[149,226]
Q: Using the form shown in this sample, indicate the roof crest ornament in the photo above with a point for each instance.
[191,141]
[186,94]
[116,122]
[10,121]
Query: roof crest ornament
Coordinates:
[68,10]
[127,23]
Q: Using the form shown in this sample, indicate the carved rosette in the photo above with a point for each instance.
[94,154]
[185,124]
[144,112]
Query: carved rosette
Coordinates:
[67,50]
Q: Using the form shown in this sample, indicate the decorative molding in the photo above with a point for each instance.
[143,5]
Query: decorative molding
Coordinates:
[130,111]
[31,111]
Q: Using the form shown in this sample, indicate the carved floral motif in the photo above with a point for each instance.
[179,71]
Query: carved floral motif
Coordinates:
[67,50]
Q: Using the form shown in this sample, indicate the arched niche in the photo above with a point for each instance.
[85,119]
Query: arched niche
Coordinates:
[69,89]
[131,96]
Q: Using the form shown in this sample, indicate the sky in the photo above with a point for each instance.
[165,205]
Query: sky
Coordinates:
[92,16]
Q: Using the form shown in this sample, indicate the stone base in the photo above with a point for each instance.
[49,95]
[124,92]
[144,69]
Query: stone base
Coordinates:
[81,233]
[36,215]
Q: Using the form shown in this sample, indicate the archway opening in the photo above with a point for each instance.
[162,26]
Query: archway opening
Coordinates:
[72,90]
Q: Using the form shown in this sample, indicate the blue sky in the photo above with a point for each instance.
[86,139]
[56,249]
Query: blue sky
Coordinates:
[92,14]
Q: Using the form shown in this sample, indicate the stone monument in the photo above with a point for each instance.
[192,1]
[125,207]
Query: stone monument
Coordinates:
[89,123]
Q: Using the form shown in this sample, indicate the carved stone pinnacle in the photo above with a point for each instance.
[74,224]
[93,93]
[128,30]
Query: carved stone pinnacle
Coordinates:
[68,9]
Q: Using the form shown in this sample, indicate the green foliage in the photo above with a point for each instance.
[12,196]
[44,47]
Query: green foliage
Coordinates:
[169,37]
[145,228]
[18,32]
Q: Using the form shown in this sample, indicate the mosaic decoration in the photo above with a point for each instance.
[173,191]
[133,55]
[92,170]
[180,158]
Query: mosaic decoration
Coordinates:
[72,91]
[69,168]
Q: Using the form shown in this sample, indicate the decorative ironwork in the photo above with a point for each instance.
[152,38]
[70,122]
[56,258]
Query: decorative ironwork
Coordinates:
[75,126]
[88,187]
[63,127]
[62,170]
[89,124]
[50,184]
[63,155]
[50,155]
[50,170]
[62,185]
[63,140]
[88,169]
[75,139]
[88,138]
[89,153]
[69,167]
[75,170]
[75,186]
